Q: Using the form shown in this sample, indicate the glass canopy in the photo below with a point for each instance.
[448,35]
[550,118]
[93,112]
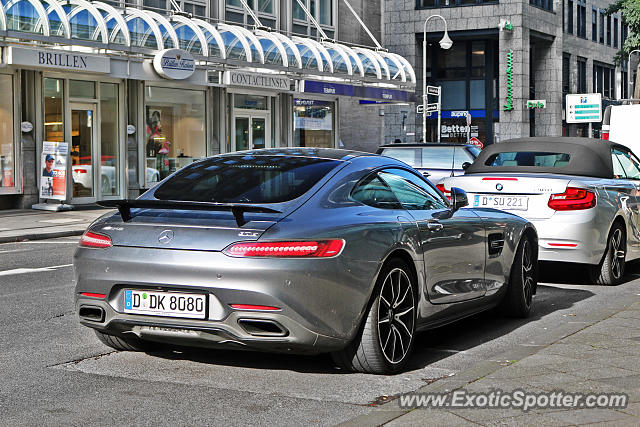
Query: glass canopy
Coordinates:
[104,26]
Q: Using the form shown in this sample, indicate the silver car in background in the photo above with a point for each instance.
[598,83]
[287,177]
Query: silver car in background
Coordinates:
[299,250]
[581,194]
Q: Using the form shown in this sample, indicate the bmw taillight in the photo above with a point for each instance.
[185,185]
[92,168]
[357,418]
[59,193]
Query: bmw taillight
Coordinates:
[444,191]
[572,199]
[95,240]
[604,135]
[306,249]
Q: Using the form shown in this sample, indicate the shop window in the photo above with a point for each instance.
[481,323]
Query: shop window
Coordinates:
[313,123]
[53,110]
[7,149]
[477,95]
[175,130]
[82,89]
[455,95]
[109,138]
[251,102]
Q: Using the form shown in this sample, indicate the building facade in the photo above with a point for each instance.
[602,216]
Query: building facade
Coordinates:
[504,53]
[132,92]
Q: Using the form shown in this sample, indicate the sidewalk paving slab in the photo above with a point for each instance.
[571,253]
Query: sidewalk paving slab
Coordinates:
[595,356]
[20,225]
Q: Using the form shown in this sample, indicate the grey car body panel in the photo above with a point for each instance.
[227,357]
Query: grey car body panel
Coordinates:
[322,301]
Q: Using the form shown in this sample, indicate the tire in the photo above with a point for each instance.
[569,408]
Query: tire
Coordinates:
[518,299]
[610,271]
[123,344]
[385,341]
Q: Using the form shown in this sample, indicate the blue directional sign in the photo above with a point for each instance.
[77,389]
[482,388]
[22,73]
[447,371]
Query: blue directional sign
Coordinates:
[584,108]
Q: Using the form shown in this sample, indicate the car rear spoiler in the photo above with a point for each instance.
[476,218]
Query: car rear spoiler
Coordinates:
[237,209]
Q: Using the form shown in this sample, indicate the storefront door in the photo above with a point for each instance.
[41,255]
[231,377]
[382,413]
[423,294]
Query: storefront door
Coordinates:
[252,132]
[84,153]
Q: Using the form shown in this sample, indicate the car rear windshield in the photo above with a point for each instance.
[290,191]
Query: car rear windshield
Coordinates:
[529,158]
[246,179]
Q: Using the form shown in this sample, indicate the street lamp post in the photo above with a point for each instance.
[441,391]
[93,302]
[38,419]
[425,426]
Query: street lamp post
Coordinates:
[629,72]
[445,43]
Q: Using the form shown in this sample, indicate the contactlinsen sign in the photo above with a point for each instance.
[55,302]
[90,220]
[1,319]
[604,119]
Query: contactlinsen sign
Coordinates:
[174,64]
[263,81]
[56,59]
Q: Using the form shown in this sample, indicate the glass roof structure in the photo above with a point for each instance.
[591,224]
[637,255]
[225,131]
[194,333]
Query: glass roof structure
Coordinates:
[101,26]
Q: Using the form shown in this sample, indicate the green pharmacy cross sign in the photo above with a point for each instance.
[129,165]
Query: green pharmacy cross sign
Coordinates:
[509,105]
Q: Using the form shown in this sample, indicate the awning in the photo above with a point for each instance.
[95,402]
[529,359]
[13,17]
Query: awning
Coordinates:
[103,27]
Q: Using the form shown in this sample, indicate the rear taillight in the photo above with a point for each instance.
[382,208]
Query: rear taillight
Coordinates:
[572,199]
[307,249]
[605,136]
[446,193]
[95,240]
[80,171]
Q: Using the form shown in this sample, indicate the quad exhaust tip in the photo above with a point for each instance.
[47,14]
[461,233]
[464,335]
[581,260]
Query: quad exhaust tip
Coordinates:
[263,328]
[92,313]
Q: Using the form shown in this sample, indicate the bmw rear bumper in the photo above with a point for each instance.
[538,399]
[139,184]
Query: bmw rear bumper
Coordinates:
[321,301]
[575,236]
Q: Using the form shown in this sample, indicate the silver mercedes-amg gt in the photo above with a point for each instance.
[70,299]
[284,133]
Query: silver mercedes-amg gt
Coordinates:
[299,250]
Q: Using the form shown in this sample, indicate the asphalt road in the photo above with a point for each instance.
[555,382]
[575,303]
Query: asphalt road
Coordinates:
[55,372]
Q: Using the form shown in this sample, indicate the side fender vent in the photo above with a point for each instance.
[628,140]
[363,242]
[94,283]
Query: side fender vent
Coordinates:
[496,243]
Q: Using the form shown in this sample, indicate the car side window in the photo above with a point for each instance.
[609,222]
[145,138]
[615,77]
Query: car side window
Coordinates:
[629,164]
[372,191]
[412,191]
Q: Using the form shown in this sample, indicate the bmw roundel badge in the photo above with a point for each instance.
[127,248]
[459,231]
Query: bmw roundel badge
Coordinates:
[499,187]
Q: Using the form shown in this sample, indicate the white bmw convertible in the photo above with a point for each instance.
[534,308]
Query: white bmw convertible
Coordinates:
[581,194]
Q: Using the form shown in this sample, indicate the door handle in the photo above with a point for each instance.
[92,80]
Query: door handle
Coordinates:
[434,226]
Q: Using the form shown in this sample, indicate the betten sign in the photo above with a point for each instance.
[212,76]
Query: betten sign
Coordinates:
[263,81]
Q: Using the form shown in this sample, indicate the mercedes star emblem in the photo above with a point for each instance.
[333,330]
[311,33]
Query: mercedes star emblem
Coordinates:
[165,237]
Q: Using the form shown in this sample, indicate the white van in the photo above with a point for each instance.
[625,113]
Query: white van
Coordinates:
[620,124]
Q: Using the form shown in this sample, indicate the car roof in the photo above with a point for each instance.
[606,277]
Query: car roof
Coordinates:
[321,153]
[587,156]
[427,144]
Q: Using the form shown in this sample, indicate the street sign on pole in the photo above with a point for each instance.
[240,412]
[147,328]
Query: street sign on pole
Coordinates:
[433,90]
[430,108]
[584,108]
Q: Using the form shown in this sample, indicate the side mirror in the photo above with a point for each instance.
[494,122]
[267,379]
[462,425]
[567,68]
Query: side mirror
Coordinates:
[458,198]
[466,165]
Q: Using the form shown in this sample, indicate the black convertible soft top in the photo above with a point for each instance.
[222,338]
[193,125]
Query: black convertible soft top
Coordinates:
[587,156]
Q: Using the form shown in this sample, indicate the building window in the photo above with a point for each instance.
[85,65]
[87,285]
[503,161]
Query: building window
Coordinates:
[615,31]
[570,16]
[594,24]
[175,130]
[321,10]
[625,34]
[428,4]
[265,10]
[566,74]
[604,80]
[609,30]
[582,19]
[625,80]
[467,74]
[543,4]
[602,26]
[194,7]
[582,75]
[7,148]
[109,139]
[313,123]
